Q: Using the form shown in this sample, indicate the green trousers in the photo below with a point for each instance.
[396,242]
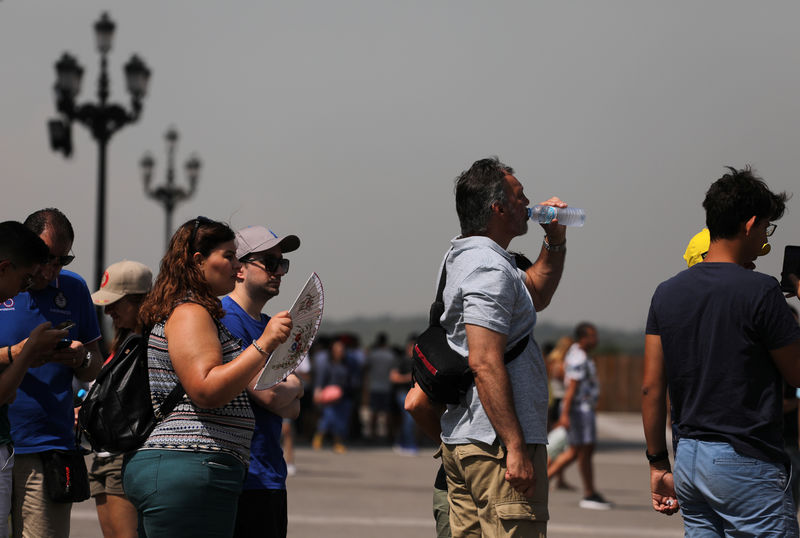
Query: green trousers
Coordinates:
[184,494]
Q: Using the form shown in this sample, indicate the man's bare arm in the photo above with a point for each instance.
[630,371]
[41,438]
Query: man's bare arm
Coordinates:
[486,349]
[425,412]
[543,276]
[281,398]
[787,360]
[654,420]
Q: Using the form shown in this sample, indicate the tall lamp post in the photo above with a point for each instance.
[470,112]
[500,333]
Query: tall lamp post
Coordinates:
[169,195]
[102,118]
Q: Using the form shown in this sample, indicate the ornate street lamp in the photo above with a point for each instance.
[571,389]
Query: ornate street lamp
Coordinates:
[169,195]
[102,118]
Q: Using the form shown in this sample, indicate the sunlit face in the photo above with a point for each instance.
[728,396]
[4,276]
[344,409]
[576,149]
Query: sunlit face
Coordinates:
[123,313]
[219,268]
[59,248]
[516,206]
[258,279]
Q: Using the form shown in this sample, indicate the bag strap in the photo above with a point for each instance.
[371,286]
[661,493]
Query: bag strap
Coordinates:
[175,394]
[515,351]
[169,402]
[437,309]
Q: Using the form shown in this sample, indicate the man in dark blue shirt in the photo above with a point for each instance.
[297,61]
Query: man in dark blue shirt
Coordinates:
[720,338]
[262,507]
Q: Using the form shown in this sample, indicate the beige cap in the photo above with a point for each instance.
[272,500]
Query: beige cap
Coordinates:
[259,238]
[121,279]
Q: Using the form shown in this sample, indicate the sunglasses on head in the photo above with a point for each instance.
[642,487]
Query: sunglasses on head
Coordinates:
[271,264]
[197,222]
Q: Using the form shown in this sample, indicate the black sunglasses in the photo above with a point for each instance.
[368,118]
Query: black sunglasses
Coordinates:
[60,260]
[197,222]
[271,263]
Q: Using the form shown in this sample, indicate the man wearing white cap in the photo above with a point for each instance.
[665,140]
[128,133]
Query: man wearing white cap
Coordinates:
[262,507]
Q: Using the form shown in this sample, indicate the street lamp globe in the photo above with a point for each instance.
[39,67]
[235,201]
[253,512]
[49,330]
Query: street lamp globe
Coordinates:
[193,165]
[104,33]
[68,77]
[147,163]
[137,75]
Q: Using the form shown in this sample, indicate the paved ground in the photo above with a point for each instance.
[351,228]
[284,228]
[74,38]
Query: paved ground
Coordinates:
[376,493]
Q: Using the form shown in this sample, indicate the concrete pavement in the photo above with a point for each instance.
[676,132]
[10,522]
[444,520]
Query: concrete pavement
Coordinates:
[373,492]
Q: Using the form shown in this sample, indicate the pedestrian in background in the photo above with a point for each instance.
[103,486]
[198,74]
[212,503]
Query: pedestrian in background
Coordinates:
[579,416]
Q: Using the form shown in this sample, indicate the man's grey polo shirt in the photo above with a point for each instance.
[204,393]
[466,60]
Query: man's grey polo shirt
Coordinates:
[485,288]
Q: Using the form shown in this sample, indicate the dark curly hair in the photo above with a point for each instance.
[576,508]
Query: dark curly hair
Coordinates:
[179,277]
[477,189]
[735,197]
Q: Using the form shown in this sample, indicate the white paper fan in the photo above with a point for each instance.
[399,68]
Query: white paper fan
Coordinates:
[306,315]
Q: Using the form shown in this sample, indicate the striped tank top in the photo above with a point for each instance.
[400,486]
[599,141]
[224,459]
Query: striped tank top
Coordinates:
[191,428]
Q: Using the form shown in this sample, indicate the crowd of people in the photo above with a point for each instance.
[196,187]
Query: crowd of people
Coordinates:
[721,340]
[215,465]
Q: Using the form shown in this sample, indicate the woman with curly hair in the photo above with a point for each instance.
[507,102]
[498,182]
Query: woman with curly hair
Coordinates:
[186,478]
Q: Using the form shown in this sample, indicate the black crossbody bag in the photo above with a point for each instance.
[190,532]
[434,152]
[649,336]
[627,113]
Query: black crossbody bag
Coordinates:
[442,373]
[66,478]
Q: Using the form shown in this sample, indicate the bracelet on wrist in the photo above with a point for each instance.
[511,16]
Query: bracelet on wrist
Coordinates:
[260,349]
[87,361]
[561,247]
[10,356]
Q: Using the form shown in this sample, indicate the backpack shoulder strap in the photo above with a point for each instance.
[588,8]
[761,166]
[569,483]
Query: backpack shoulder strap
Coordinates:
[437,307]
[169,402]
[175,394]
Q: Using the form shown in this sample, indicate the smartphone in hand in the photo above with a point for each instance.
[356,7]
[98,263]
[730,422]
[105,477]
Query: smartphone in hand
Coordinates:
[791,264]
[65,325]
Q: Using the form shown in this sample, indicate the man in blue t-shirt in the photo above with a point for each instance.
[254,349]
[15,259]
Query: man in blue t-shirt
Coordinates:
[42,415]
[262,507]
[721,339]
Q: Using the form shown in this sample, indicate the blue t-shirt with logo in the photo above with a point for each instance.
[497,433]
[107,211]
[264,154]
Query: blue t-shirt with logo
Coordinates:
[267,468]
[42,415]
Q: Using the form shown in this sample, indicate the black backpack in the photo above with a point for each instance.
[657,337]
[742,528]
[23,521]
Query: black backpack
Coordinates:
[442,373]
[117,414]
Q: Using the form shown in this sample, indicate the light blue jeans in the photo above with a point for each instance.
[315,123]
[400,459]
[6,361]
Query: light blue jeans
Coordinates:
[723,493]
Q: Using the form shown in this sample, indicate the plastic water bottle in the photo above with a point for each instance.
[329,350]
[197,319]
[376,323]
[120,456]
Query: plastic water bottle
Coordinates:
[568,216]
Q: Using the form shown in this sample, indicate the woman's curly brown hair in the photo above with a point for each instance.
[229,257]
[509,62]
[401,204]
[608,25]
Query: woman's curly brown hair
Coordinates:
[179,278]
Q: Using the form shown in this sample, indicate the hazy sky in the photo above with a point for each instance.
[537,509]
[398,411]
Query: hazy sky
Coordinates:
[346,122]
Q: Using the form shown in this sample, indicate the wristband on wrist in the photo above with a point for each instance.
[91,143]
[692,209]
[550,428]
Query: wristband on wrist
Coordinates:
[260,349]
[10,356]
[87,361]
[561,247]
[659,456]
